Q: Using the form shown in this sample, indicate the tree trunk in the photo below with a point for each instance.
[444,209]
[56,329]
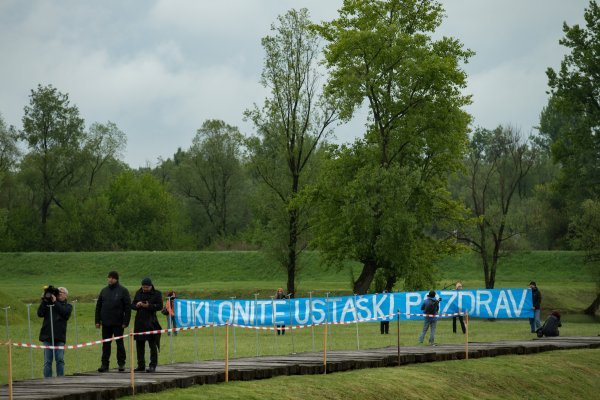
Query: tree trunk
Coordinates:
[361,285]
[292,255]
[593,308]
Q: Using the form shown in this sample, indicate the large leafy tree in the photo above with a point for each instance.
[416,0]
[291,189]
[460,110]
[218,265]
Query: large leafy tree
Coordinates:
[54,133]
[291,124]
[390,185]
[496,167]
[571,121]
[211,175]
[571,126]
[104,144]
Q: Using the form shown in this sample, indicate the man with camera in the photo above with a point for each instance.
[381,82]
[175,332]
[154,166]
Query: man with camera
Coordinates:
[430,308]
[56,312]
[113,313]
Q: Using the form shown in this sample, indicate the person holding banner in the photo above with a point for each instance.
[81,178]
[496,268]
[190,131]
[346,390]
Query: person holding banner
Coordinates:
[460,317]
[146,303]
[430,307]
[536,297]
[280,295]
[56,312]
[169,311]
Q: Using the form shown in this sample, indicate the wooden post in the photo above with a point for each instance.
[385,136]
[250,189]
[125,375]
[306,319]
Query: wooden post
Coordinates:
[325,350]
[227,352]
[467,334]
[131,356]
[10,384]
[398,337]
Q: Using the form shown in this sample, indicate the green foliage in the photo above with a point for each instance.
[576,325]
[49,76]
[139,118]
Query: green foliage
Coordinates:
[210,175]
[291,125]
[571,120]
[493,182]
[144,213]
[380,196]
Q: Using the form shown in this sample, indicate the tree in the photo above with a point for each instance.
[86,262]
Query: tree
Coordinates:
[104,142]
[291,125]
[394,178]
[54,133]
[212,176]
[9,152]
[585,235]
[571,121]
[496,167]
[144,213]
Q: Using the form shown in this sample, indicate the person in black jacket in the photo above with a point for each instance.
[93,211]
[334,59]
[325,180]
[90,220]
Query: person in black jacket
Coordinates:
[550,327]
[56,312]
[147,302]
[535,322]
[113,312]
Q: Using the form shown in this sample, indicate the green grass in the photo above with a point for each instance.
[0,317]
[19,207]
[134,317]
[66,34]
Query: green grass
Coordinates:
[562,277]
[568,374]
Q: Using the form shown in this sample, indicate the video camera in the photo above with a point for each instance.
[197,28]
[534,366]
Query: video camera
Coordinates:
[49,290]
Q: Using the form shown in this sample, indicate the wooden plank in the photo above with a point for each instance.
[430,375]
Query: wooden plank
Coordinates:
[112,385]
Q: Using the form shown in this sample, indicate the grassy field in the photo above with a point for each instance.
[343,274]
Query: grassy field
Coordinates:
[570,374]
[562,277]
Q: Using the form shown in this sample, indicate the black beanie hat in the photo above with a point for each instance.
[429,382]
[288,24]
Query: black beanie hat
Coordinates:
[431,293]
[114,275]
[146,282]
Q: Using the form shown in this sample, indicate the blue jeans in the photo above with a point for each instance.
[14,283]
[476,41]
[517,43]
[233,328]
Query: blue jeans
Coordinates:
[58,355]
[535,322]
[429,322]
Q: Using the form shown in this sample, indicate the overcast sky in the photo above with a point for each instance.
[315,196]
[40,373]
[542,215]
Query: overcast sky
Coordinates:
[158,69]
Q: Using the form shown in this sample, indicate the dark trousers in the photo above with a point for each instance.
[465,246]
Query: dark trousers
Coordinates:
[140,346]
[462,324]
[107,333]
[384,326]
[281,329]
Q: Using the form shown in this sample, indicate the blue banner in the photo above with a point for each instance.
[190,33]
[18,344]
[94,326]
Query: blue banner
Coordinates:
[482,303]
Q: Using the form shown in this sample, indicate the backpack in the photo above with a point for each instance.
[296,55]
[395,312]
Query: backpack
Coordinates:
[431,307]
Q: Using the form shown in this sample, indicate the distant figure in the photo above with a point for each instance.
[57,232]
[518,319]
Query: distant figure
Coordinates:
[280,295]
[551,325]
[169,312]
[460,317]
[430,306]
[113,313]
[536,321]
[54,329]
[147,302]
[384,325]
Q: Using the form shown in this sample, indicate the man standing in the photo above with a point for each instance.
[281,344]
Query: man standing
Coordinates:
[56,312]
[430,307]
[147,302]
[536,295]
[460,317]
[113,313]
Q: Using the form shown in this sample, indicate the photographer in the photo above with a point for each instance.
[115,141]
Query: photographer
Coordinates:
[56,312]
[430,306]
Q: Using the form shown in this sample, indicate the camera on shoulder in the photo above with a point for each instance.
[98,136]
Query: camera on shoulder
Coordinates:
[49,290]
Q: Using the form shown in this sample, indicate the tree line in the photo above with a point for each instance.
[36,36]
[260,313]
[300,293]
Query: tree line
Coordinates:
[418,184]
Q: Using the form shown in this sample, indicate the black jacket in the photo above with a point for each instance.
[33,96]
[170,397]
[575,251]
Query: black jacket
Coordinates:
[145,318]
[551,326]
[60,315]
[113,307]
[536,297]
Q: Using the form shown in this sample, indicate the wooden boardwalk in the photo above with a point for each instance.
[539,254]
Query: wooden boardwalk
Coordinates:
[112,385]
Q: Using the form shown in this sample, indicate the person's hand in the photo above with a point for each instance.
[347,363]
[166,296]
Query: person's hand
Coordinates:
[53,298]
[97,326]
[123,326]
[139,304]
